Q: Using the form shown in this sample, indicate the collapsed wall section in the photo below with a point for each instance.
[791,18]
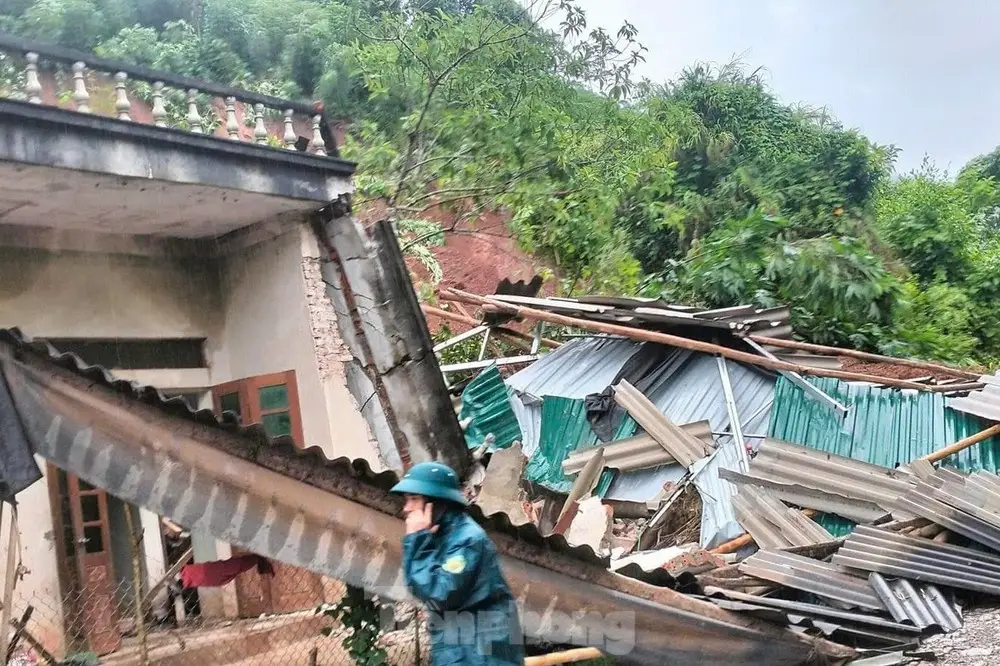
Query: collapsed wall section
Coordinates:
[394,374]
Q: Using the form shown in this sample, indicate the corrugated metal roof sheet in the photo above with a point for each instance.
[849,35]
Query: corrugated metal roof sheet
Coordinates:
[694,392]
[575,370]
[884,426]
[529,419]
[799,608]
[822,579]
[984,403]
[664,622]
[791,464]
[564,429]
[281,453]
[871,549]
[923,605]
[683,447]
[806,496]
[774,525]
[486,400]
[636,452]
[688,390]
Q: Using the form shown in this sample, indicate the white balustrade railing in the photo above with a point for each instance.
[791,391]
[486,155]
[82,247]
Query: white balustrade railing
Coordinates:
[161,92]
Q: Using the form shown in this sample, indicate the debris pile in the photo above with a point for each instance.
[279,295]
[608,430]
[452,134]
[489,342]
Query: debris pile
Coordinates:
[792,500]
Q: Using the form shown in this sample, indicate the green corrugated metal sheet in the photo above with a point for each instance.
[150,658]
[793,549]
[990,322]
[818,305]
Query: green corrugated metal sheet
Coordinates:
[887,427]
[487,401]
[564,430]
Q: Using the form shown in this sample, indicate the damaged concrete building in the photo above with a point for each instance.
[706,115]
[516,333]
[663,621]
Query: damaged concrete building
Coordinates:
[194,260]
[197,337]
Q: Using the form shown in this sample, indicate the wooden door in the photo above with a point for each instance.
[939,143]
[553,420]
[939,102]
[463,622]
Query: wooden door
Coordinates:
[98,608]
[273,401]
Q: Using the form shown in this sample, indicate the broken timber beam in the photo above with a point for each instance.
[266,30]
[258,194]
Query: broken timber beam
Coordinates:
[470,321]
[691,345]
[863,356]
[962,444]
[564,657]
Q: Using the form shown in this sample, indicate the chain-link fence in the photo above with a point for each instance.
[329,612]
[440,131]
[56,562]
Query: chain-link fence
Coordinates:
[89,613]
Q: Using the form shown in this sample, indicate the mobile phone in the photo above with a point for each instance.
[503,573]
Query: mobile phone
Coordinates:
[437,512]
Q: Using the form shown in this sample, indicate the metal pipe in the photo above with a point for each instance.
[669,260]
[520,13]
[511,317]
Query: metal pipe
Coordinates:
[734,415]
[801,382]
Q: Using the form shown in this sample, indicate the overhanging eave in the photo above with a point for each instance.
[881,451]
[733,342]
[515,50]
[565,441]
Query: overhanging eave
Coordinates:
[39,135]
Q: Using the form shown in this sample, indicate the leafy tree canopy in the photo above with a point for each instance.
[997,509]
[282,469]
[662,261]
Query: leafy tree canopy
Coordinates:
[706,189]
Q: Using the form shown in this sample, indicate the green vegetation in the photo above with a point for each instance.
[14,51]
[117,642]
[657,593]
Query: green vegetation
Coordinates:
[706,189]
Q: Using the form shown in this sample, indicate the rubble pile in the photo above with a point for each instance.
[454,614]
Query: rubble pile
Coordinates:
[648,455]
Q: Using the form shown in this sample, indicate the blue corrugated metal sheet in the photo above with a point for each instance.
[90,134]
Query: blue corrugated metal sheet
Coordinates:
[486,400]
[887,427]
[693,392]
[575,370]
[643,485]
[688,389]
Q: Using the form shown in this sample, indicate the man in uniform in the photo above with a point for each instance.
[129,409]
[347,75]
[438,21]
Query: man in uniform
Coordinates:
[453,568]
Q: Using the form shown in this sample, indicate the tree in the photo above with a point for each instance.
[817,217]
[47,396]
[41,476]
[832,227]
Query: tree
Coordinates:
[496,115]
[707,189]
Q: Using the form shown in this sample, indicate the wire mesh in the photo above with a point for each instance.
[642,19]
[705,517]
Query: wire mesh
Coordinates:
[258,619]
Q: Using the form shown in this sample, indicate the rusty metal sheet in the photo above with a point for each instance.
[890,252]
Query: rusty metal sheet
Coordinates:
[337,518]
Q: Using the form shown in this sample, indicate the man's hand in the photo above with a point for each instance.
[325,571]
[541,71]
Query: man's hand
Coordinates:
[421,519]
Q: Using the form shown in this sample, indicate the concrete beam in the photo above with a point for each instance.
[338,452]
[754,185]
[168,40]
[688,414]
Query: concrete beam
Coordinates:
[49,136]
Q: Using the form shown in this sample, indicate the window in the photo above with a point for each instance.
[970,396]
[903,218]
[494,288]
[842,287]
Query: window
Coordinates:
[271,400]
[136,354]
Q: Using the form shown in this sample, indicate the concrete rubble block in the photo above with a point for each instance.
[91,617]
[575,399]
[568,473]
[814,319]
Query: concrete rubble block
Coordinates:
[592,524]
[696,561]
[501,490]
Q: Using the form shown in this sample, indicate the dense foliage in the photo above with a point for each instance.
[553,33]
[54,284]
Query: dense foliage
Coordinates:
[706,189]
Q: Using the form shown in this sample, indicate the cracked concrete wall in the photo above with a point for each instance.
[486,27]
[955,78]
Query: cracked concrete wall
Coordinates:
[275,320]
[394,373]
[349,431]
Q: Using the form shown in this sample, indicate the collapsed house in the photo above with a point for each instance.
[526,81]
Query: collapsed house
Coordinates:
[235,365]
[820,503]
[219,329]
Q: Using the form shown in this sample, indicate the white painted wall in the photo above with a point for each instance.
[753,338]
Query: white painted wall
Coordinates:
[261,311]
[268,328]
[40,585]
[80,295]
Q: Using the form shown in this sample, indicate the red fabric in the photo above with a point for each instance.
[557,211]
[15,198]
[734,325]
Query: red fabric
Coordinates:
[217,574]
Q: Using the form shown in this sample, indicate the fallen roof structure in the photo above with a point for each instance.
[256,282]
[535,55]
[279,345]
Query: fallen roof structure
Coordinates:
[984,402]
[337,518]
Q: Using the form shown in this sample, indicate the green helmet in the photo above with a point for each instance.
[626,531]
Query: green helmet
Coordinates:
[431,479]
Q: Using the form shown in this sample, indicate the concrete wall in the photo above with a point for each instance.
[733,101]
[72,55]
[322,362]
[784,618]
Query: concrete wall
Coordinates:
[271,326]
[91,295]
[40,585]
